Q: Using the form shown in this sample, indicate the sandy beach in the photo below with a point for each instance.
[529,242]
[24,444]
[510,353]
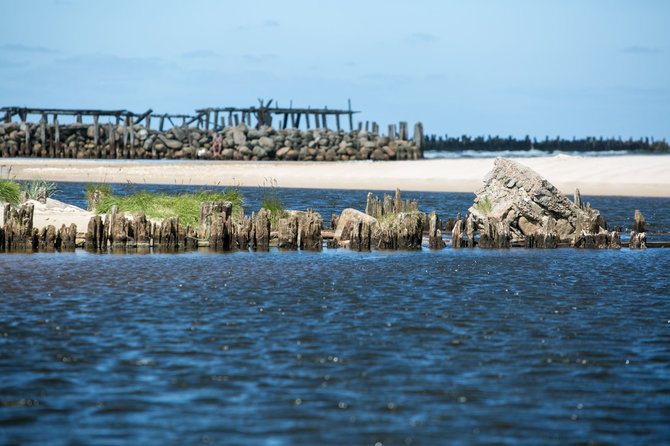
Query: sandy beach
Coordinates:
[630,175]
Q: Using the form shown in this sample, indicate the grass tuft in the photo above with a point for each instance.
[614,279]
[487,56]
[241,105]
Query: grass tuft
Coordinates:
[35,188]
[272,202]
[10,192]
[484,205]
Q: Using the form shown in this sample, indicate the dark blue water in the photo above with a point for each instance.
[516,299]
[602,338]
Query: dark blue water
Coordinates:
[446,347]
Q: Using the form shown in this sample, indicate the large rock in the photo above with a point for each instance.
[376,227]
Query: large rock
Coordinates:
[521,199]
[345,223]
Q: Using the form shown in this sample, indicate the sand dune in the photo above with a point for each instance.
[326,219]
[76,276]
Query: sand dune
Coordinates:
[631,175]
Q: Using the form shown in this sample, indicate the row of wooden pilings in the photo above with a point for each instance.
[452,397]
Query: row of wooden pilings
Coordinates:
[18,234]
[390,224]
[217,230]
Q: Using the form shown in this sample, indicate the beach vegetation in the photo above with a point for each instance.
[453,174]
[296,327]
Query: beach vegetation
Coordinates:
[272,202]
[484,205]
[35,188]
[186,205]
[94,193]
[10,191]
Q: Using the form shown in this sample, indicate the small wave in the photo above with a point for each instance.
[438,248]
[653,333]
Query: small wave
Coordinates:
[444,154]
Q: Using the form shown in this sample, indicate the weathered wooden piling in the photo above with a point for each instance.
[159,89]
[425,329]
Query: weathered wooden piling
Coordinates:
[361,233]
[310,238]
[96,234]
[18,227]
[494,234]
[434,234]
[287,229]
[242,234]
[260,230]
[457,234]
[638,236]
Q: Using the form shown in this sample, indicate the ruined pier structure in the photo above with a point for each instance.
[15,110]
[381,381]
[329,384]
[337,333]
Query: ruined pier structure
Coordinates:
[226,133]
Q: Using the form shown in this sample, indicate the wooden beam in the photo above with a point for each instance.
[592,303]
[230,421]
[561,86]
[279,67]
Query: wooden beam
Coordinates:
[139,118]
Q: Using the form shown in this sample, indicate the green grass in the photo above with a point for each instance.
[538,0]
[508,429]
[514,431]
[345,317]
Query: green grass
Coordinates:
[160,206]
[484,205]
[32,189]
[10,191]
[272,202]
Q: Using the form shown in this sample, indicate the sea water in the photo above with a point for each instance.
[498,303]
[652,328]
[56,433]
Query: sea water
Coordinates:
[429,347]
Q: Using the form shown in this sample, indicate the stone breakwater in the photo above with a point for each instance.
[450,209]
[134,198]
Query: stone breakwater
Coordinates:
[242,143]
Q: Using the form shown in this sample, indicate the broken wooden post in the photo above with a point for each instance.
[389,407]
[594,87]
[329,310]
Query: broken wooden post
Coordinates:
[260,240]
[434,234]
[287,229]
[638,236]
[95,130]
[351,122]
[310,238]
[360,235]
[457,234]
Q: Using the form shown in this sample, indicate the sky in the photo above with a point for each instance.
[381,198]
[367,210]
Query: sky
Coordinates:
[516,67]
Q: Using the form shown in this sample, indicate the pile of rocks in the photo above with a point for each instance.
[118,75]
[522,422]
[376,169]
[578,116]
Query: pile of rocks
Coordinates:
[517,203]
[108,141]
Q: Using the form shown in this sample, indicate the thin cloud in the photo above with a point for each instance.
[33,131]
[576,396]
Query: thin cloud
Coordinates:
[639,49]
[21,48]
[203,54]
[422,38]
[271,24]
[254,58]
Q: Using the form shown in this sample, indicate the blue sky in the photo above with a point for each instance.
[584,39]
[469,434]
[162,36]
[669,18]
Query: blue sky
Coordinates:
[516,67]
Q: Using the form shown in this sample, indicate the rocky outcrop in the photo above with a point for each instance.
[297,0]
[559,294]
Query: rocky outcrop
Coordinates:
[528,205]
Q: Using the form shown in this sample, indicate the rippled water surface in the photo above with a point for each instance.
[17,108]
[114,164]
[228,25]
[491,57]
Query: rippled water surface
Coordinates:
[453,346]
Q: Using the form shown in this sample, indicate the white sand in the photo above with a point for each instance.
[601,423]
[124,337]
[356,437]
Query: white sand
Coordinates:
[631,175]
[57,213]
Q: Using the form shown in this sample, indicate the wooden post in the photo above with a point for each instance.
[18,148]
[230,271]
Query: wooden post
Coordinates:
[402,130]
[230,118]
[57,134]
[223,122]
[43,130]
[78,118]
[160,123]
[375,128]
[207,120]
[248,119]
[337,121]
[366,125]
[244,117]
[118,118]
[216,120]
[95,130]
[131,133]
[297,121]
[125,130]
[285,120]
[237,119]
[391,133]
[27,152]
[110,130]
[8,117]
[351,122]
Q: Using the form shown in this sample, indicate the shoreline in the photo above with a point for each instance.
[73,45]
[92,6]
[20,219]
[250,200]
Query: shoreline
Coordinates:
[627,175]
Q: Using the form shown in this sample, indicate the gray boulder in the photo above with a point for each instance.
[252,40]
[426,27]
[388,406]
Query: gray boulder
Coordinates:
[520,198]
